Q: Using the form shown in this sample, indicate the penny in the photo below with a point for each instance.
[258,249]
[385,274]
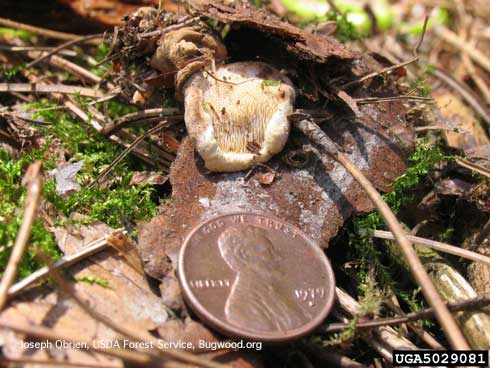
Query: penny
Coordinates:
[256,277]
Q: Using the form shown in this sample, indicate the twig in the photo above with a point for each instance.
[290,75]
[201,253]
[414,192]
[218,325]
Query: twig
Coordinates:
[27,120]
[122,329]
[469,304]
[35,48]
[49,88]
[382,71]
[92,248]
[128,149]
[68,66]
[367,100]
[43,31]
[450,37]
[392,67]
[33,180]
[446,320]
[443,247]
[141,116]
[164,158]
[419,330]
[440,127]
[466,93]
[97,126]
[61,47]
[474,167]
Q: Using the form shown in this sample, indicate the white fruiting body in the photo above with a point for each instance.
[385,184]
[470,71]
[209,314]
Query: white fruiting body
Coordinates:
[237,115]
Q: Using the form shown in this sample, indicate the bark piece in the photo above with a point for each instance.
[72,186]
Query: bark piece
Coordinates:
[312,197]
[302,43]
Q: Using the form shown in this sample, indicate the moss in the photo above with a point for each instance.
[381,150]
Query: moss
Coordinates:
[12,197]
[10,72]
[93,280]
[79,143]
[106,205]
[25,35]
[345,31]
[340,337]
[362,247]
[85,144]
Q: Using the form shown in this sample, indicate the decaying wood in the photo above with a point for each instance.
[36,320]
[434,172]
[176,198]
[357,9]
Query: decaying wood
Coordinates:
[42,332]
[304,44]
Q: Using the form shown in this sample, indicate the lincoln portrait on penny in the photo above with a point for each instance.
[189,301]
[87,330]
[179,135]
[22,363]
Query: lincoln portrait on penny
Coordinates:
[260,299]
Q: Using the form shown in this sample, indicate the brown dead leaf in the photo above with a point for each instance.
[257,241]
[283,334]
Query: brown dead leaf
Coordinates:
[127,249]
[456,112]
[186,331]
[127,300]
[190,331]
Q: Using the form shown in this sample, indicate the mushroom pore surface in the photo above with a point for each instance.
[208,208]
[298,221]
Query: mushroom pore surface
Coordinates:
[237,115]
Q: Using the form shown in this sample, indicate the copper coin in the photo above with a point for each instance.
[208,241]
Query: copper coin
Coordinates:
[256,277]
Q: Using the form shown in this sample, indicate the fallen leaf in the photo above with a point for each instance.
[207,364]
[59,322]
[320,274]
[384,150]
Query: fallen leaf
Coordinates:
[186,331]
[65,178]
[454,111]
[127,249]
[128,300]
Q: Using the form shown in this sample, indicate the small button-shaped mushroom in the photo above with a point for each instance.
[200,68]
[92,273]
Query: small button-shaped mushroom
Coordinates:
[237,115]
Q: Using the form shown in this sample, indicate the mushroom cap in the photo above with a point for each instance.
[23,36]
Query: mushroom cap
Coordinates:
[237,115]
[185,51]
